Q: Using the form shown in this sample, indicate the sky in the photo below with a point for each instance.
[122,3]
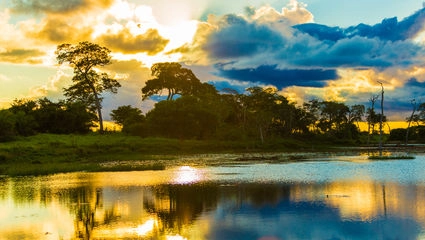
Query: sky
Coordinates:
[331,50]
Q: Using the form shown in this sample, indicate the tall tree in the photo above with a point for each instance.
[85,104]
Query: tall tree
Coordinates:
[372,117]
[88,83]
[410,119]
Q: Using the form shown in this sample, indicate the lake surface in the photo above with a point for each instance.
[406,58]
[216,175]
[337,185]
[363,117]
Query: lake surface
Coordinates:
[345,197]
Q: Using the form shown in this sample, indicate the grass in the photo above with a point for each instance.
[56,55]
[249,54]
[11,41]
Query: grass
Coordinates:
[48,153]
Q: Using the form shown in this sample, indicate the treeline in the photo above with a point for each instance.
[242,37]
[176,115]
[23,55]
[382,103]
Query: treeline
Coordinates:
[190,110]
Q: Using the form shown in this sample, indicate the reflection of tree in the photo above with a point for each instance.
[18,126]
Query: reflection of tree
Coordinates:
[83,204]
[259,194]
[179,205]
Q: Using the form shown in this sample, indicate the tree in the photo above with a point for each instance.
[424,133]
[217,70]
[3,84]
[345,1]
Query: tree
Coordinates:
[176,80]
[23,111]
[63,117]
[131,119]
[261,105]
[7,125]
[333,116]
[356,113]
[410,119]
[185,118]
[311,114]
[372,117]
[88,83]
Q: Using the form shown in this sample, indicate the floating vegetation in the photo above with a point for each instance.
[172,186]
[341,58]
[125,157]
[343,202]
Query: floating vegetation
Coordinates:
[391,157]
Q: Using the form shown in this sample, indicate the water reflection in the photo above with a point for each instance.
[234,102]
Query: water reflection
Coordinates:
[219,203]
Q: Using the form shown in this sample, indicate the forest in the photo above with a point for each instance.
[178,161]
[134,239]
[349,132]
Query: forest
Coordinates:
[191,109]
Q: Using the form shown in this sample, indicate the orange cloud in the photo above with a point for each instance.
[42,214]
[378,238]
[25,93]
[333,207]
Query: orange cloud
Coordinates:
[150,42]
[22,56]
[57,30]
[57,7]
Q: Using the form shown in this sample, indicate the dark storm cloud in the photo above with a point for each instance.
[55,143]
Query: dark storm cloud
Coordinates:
[225,86]
[280,77]
[389,29]
[360,52]
[56,6]
[239,38]
[150,42]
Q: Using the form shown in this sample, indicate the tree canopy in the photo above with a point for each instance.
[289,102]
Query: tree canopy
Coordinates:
[174,78]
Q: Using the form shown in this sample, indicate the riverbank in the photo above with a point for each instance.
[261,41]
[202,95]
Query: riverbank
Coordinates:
[47,153]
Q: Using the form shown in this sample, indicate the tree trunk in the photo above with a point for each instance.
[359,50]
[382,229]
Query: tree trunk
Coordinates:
[410,121]
[98,108]
[261,134]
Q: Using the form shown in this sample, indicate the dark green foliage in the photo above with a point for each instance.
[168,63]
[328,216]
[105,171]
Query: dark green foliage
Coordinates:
[7,125]
[398,134]
[63,118]
[184,118]
[131,119]
[26,118]
[416,134]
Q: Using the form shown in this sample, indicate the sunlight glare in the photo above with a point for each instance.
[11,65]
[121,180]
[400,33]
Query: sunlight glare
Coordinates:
[177,237]
[145,228]
[187,174]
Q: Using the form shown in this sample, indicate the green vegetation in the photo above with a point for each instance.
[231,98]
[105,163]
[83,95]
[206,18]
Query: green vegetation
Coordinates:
[391,157]
[48,153]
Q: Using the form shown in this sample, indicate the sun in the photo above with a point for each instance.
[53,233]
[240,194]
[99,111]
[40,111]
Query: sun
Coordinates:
[176,26]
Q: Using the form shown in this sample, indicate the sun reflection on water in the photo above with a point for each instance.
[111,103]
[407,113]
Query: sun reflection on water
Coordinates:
[187,174]
[145,228]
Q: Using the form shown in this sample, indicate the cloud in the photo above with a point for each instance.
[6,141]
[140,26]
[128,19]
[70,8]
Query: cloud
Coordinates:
[57,30]
[52,89]
[239,38]
[32,56]
[295,13]
[124,41]
[132,76]
[57,7]
[280,77]
[389,29]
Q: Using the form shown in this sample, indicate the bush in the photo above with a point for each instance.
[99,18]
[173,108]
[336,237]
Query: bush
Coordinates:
[7,126]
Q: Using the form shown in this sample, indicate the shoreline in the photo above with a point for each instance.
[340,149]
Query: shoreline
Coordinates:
[49,154]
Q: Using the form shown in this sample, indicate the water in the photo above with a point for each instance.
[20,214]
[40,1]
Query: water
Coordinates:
[330,198]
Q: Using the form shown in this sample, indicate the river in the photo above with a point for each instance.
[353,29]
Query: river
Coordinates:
[339,197]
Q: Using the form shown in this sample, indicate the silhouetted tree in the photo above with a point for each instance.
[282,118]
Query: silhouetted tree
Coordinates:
[131,119]
[356,113]
[88,84]
[176,80]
